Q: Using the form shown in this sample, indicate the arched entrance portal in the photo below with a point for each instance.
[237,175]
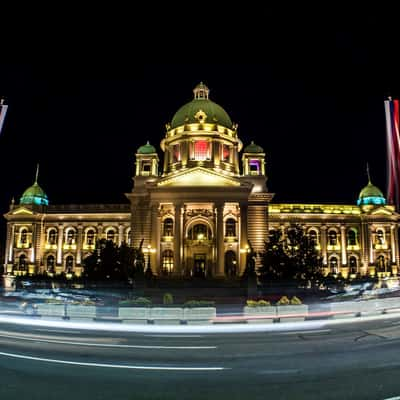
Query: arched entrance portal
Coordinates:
[230,263]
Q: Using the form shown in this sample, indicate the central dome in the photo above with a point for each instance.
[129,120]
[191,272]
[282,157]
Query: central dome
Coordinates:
[201,108]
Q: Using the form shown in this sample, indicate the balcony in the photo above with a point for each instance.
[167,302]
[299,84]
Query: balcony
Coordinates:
[50,246]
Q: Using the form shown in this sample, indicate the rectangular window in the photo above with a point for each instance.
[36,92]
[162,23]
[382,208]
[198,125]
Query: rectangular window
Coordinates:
[225,153]
[176,153]
[201,150]
[254,167]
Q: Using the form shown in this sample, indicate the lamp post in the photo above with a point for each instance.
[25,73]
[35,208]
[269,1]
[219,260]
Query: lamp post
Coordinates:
[149,250]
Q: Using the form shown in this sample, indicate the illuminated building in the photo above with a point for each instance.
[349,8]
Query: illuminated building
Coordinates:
[202,213]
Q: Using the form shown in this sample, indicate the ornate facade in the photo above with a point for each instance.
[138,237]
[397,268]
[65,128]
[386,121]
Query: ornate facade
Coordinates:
[201,215]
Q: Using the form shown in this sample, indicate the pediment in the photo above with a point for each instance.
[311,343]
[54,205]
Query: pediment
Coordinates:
[21,211]
[198,176]
[381,211]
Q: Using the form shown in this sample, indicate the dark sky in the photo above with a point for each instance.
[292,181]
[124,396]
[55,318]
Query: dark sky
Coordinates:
[312,99]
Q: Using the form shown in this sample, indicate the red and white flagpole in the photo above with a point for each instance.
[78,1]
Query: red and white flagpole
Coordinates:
[3,112]
[393,151]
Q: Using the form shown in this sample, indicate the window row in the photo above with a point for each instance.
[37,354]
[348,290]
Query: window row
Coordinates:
[199,229]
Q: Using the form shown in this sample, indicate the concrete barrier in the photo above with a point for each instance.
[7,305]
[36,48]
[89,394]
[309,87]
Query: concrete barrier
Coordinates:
[198,315]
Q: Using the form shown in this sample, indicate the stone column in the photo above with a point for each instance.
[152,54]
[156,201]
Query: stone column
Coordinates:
[79,242]
[10,242]
[177,239]
[236,158]
[323,246]
[155,229]
[393,242]
[343,244]
[60,244]
[364,246]
[120,234]
[243,236]
[220,239]
[371,245]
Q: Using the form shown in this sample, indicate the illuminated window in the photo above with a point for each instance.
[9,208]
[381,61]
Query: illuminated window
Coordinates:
[225,153]
[176,153]
[22,262]
[381,263]
[52,236]
[312,234]
[332,237]
[90,235]
[201,150]
[167,262]
[333,264]
[254,167]
[69,263]
[50,264]
[168,227]
[24,236]
[351,237]
[199,232]
[380,236]
[110,235]
[70,237]
[353,264]
[230,227]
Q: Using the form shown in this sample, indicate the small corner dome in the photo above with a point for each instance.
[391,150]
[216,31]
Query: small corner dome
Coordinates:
[211,112]
[253,148]
[34,195]
[147,149]
[370,194]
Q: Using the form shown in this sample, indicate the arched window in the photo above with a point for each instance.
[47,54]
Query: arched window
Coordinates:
[90,237]
[110,235]
[22,262]
[52,236]
[333,265]
[24,236]
[168,227]
[351,237]
[70,236]
[380,236]
[230,227]
[50,262]
[313,235]
[69,264]
[332,237]
[381,263]
[353,264]
[199,232]
[167,262]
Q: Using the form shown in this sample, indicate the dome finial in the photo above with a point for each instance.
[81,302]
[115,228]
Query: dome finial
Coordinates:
[37,172]
[201,91]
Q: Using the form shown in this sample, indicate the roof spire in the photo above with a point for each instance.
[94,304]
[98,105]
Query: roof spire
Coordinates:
[201,91]
[368,174]
[37,172]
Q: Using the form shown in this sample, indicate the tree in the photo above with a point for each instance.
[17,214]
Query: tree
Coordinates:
[108,261]
[293,257]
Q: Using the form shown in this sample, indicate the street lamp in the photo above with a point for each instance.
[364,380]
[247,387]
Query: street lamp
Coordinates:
[149,250]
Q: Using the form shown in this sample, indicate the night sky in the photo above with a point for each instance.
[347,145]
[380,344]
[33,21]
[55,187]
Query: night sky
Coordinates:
[313,100]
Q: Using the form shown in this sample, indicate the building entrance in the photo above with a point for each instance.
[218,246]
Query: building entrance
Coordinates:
[199,267]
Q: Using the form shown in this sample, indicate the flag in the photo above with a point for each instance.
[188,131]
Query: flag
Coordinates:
[393,151]
[3,112]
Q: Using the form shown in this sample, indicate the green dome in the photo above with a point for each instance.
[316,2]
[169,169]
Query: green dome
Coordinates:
[147,149]
[253,148]
[188,113]
[370,194]
[34,195]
